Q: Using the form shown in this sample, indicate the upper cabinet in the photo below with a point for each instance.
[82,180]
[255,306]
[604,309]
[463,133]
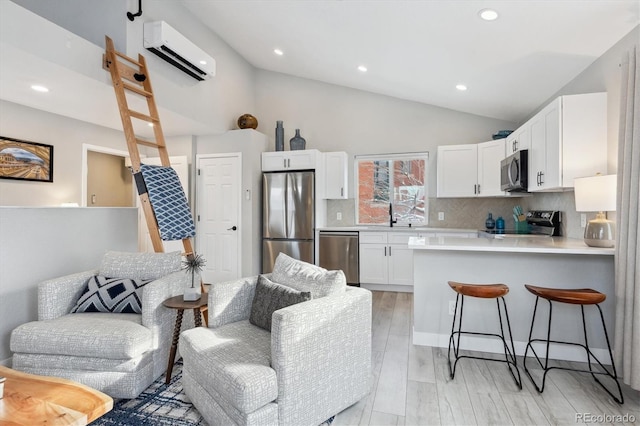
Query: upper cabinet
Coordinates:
[518,140]
[568,140]
[330,168]
[335,169]
[307,159]
[471,170]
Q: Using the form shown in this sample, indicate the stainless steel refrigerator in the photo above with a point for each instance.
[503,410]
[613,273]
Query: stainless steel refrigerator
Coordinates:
[288,216]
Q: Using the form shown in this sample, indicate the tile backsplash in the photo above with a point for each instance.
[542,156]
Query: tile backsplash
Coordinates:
[470,213]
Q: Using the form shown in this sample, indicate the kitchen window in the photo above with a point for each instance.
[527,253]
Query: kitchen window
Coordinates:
[399,179]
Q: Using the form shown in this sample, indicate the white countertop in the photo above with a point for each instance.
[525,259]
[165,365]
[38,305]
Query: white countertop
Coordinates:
[559,245]
[382,228]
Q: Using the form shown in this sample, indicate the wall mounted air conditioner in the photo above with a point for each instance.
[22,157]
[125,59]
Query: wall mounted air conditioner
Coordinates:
[173,47]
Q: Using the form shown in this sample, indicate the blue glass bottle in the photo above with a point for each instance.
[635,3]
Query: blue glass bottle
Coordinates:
[490,223]
[500,225]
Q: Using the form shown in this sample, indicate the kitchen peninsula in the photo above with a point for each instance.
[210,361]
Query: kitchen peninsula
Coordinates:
[515,261]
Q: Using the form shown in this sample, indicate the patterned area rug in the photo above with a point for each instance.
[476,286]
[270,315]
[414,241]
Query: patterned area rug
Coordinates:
[159,404]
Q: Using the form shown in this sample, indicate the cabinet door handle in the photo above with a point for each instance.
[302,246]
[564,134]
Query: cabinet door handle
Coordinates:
[389,250]
[288,162]
[478,189]
[284,163]
[541,178]
[342,192]
[515,145]
[385,251]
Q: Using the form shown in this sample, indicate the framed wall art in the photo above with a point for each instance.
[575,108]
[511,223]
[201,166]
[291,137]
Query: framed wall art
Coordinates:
[25,160]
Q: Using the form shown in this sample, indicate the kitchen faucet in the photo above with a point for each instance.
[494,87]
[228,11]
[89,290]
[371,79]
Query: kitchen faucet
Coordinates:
[391,220]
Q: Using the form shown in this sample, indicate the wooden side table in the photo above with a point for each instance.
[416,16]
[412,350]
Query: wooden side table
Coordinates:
[178,303]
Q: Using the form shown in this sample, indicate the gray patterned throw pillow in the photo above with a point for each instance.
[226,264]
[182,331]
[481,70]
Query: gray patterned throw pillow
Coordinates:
[304,276]
[270,297]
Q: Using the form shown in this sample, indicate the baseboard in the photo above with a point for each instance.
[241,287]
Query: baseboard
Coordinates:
[487,344]
[388,287]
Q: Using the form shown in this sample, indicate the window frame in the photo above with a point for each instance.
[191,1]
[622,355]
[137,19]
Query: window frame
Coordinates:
[391,159]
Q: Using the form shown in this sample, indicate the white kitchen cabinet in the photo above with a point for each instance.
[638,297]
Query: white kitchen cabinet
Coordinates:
[307,159]
[471,170]
[568,140]
[336,173]
[385,257]
[457,170]
[518,140]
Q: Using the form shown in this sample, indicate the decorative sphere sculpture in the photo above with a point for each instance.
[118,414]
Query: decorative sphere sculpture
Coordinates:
[247,121]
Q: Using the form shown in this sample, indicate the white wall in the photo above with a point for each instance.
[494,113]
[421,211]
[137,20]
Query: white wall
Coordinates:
[218,102]
[67,136]
[334,118]
[42,243]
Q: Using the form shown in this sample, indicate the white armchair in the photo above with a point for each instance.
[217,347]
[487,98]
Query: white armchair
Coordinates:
[120,354]
[315,362]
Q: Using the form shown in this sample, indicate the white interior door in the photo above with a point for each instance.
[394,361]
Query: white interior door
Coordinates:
[218,232]
[181,166]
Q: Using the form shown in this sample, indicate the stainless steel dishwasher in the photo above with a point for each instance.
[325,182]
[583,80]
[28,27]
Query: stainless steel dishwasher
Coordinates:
[339,250]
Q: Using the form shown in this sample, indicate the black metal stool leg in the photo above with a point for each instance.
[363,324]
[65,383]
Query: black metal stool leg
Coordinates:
[545,366]
[452,343]
[509,354]
[613,374]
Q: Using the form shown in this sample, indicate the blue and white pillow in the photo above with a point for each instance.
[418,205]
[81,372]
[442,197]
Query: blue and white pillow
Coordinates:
[119,295]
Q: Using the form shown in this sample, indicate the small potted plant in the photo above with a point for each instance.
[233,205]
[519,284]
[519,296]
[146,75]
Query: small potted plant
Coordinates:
[193,265]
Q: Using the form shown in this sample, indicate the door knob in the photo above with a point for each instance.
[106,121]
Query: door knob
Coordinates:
[233,228]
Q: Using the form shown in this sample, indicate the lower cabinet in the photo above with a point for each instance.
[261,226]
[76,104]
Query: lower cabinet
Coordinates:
[385,258]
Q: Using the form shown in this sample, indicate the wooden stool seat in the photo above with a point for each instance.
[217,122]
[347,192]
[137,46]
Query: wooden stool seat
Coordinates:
[486,291]
[577,296]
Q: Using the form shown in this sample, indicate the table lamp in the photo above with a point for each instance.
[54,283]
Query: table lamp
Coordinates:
[597,194]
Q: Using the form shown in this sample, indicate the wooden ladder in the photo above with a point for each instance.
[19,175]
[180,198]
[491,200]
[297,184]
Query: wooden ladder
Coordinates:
[130,75]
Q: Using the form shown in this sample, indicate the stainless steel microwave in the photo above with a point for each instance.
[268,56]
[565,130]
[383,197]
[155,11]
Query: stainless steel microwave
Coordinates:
[514,172]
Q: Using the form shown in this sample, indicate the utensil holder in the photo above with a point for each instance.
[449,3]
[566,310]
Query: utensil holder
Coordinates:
[522,228]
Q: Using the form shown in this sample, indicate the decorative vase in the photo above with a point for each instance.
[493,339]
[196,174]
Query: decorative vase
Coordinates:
[247,121]
[490,223]
[297,142]
[279,136]
[193,290]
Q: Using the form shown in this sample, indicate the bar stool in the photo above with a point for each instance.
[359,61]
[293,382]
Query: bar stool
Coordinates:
[582,297]
[484,291]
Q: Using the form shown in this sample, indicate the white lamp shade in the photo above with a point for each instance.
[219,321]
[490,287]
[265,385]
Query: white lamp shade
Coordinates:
[595,193]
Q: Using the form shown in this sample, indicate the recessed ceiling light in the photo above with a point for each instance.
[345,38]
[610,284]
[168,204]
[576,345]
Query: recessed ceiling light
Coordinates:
[39,88]
[203,62]
[461,87]
[362,68]
[278,52]
[488,14]
[150,124]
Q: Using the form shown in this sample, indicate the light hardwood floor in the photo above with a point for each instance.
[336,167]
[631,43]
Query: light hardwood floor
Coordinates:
[412,385]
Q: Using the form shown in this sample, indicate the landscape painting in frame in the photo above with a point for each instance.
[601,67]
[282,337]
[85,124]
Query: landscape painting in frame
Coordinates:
[25,160]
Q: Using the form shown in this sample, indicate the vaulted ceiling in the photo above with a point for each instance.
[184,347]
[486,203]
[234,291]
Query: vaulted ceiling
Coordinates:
[420,50]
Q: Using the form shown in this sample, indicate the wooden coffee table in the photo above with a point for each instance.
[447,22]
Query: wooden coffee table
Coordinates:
[37,400]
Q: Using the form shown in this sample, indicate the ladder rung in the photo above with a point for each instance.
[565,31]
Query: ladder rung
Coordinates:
[144,117]
[136,89]
[125,57]
[147,143]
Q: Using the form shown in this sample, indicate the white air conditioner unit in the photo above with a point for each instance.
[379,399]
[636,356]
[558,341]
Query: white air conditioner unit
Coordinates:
[173,47]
